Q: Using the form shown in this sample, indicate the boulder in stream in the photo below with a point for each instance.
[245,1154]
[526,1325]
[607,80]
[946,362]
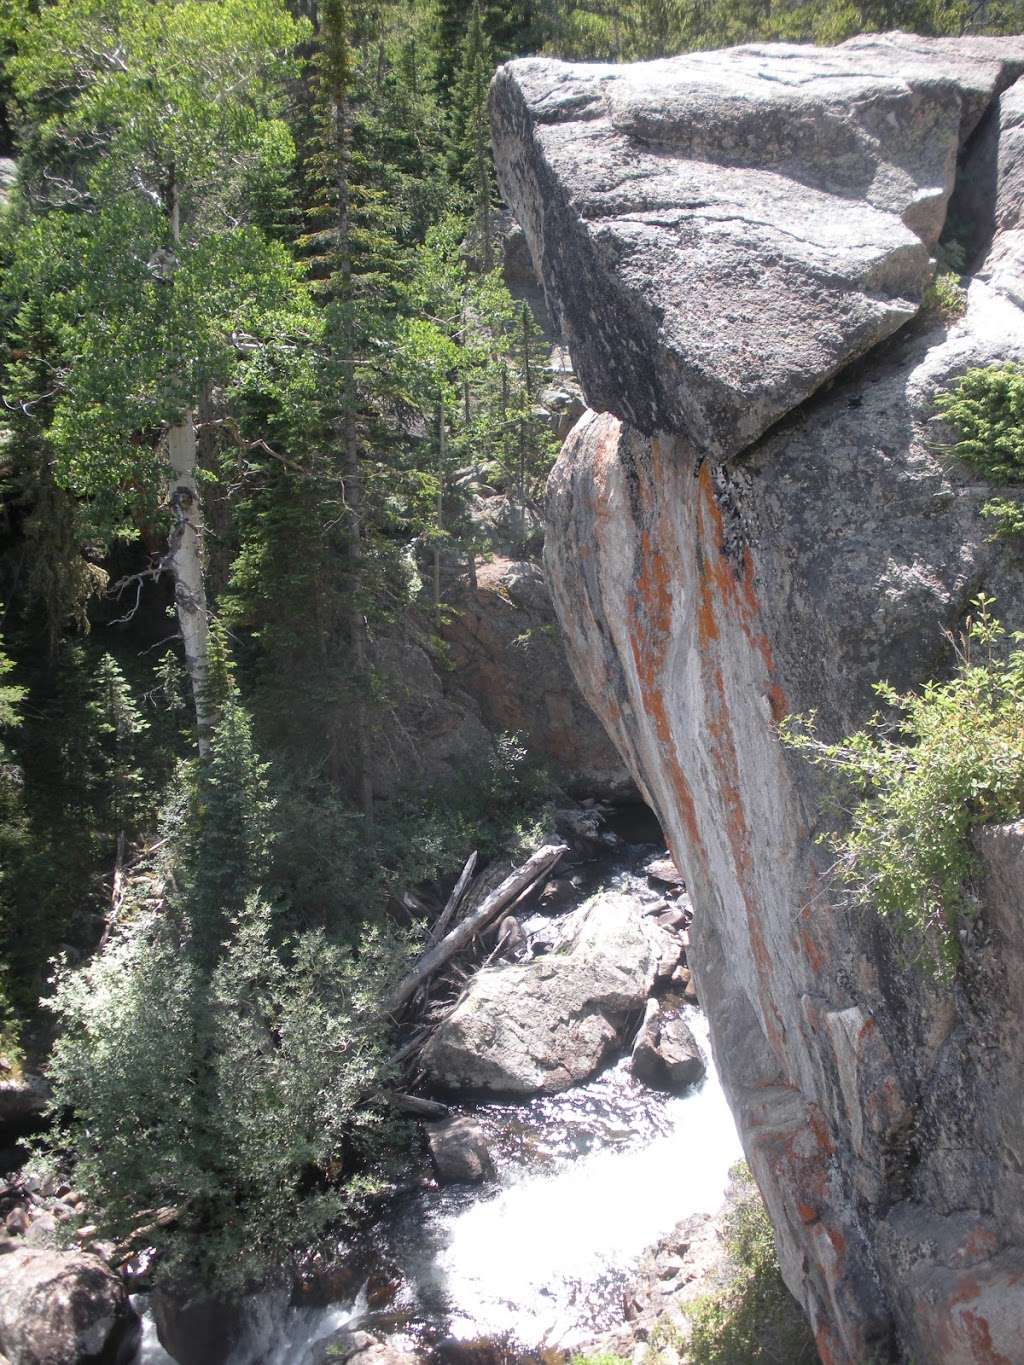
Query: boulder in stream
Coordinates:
[63,1308]
[542,1026]
[666,1056]
[459,1152]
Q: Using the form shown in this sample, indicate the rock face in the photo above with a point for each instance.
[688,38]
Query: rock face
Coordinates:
[63,1308]
[507,652]
[722,236]
[719,234]
[542,1026]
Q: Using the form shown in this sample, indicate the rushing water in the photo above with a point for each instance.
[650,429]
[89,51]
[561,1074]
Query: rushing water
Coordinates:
[587,1182]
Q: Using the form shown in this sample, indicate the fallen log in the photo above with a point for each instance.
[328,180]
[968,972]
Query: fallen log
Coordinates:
[536,866]
[453,902]
[417,1106]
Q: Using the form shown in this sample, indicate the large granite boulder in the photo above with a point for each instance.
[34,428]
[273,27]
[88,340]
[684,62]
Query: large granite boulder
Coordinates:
[713,573]
[542,1026]
[720,233]
[63,1308]
[507,652]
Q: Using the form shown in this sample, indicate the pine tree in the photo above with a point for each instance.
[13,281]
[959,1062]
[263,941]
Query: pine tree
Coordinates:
[470,159]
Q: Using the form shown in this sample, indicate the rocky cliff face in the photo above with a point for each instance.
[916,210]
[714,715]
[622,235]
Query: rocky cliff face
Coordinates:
[759,519]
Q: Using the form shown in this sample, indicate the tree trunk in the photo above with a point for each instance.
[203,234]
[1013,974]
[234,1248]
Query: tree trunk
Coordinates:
[442,453]
[185,556]
[538,865]
[185,561]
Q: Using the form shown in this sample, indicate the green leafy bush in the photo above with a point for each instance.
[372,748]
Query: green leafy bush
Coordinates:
[945,297]
[754,1320]
[986,406]
[939,762]
[1008,517]
[246,1098]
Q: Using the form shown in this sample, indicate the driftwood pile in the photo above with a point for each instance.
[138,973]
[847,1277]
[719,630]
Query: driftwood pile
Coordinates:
[425,994]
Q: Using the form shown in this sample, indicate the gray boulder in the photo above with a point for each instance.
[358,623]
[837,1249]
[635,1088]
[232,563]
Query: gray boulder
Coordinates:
[459,1152]
[63,1308]
[721,232]
[542,1026]
[666,1056]
[23,1097]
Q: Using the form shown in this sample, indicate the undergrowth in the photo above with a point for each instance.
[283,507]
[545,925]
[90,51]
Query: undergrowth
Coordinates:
[925,772]
[986,406]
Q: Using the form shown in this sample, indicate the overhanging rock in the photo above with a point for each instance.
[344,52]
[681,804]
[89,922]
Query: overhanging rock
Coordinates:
[702,599]
[718,234]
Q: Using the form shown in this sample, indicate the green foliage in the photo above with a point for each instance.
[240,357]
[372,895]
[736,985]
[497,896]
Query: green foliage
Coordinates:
[945,297]
[640,29]
[937,764]
[1008,517]
[986,406]
[142,268]
[754,1320]
[209,1065]
[242,1097]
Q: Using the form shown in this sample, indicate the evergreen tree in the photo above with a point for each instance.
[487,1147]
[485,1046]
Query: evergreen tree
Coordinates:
[470,158]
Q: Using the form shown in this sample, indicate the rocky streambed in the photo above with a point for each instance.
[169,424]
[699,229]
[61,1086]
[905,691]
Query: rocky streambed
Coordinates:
[575,1167]
[585,1128]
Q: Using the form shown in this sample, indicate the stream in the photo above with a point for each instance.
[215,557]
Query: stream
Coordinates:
[587,1182]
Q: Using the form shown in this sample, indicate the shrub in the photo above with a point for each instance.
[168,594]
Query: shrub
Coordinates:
[754,1320]
[945,297]
[243,1098]
[1008,517]
[942,761]
[986,406]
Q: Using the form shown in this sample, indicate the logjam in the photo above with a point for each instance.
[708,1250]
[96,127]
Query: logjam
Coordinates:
[536,866]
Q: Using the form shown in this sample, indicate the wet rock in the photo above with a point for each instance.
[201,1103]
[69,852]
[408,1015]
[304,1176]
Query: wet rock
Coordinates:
[197,1330]
[360,1348]
[544,1025]
[42,1231]
[17,1221]
[557,894]
[23,1098]
[459,1151]
[63,1308]
[666,1056]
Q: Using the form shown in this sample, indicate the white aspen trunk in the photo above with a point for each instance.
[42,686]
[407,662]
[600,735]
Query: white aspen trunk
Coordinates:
[185,549]
[185,561]
[442,456]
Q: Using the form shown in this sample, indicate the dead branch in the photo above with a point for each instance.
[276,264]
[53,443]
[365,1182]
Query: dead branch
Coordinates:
[536,866]
[453,902]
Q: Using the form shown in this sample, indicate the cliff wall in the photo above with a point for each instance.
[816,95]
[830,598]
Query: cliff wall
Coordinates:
[759,519]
